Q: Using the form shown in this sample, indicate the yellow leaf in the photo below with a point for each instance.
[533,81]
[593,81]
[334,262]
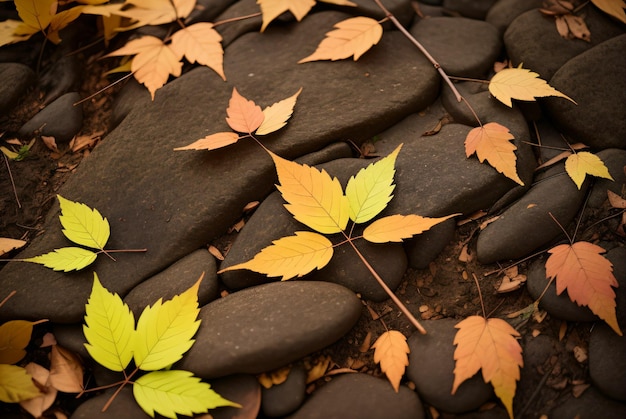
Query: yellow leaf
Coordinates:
[37,405]
[276,116]
[36,14]
[109,328]
[370,190]
[212,142]
[62,20]
[614,8]
[153,63]
[165,330]
[581,164]
[353,36]
[14,337]
[83,225]
[243,114]
[16,385]
[392,355]
[290,256]
[8,35]
[7,244]
[202,44]
[176,392]
[66,371]
[587,276]
[522,84]
[65,259]
[274,378]
[396,228]
[492,142]
[156,12]
[312,196]
[271,9]
[489,345]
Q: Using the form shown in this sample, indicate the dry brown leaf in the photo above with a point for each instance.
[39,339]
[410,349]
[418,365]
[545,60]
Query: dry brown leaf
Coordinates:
[50,142]
[200,43]
[556,7]
[216,252]
[7,244]
[367,342]
[318,369]
[66,371]
[615,200]
[273,378]
[614,8]
[391,351]
[37,405]
[572,27]
[491,142]
[243,114]
[587,276]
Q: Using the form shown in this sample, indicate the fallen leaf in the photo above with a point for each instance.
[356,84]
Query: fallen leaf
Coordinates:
[391,352]
[212,142]
[271,9]
[587,276]
[275,117]
[65,259]
[216,252]
[367,342]
[48,340]
[396,228]
[7,244]
[60,21]
[522,84]
[614,8]
[35,15]
[243,114]
[274,378]
[16,384]
[491,142]
[156,12]
[573,27]
[318,369]
[352,37]
[37,405]
[66,370]
[579,165]
[200,43]
[556,7]
[488,345]
[14,337]
[615,200]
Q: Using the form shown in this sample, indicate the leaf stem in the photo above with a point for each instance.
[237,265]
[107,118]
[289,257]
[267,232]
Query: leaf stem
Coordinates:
[126,381]
[6,161]
[11,294]
[236,19]
[480,296]
[469,79]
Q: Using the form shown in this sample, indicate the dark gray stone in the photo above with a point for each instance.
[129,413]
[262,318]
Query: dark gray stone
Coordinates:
[431,368]
[175,280]
[361,396]
[617,257]
[503,12]
[71,336]
[60,119]
[208,11]
[424,248]
[16,78]
[262,328]
[600,93]
[615,161]
[239,388]
[607,361]
[475,9]
[123,407]
[284,398]
[463,47]
[401,9]
[591,404]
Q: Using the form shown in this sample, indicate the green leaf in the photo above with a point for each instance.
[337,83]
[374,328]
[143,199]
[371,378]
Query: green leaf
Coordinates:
[109,328]
[370,190]
[174,391]
[164,331]
[14,336]
[16,385]
[290,256]
[65,259]
[83,225]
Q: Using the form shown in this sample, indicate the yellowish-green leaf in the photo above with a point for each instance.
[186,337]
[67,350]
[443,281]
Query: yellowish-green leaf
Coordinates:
[271,9]
[584,163]
[200,43]
[7,244]
[212,142]
[276,116]
[14,336]
[396,228]
[522,84]
[312,196]
[16,385]
[36,14]
[370,190]
[165,330]
[391,351]
[65,259]
[353,36]
[291,256]
[176,392]
[83,225]
[614,8]
[109,328]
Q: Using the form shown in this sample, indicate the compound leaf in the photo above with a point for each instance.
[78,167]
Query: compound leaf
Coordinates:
[65,259]
[212,141]
[109,328]
[276,116]
[290,256]
[14,337]
[176,392]
[312,196]
[579,165]
[83,225]
[396,228]
[243,114]
[391,352]
[200,43]
[522,84]
[370,190]
[165,330]
[353,36]
[271,9]
[16,385]
[587,276]
[490,345]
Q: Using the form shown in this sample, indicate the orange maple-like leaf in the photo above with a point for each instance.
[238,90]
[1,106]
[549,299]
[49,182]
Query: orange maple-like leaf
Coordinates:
[354,36]
[491,142]
[200,43]
[488,345]
[243,115]
[391,352]
[587,276]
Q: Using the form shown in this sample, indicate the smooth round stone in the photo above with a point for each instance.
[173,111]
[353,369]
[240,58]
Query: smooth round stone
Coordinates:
[431,368]
[475,9]
[591,404]
[503,12]
[425,247]
[607,361]
[265,327]
[360,396]
[614,160]
[284,398]
[239,388]
[123,407]
[16,78]
[60,119]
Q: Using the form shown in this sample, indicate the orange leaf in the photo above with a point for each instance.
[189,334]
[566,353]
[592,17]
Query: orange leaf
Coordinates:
[490,345]
[588,277]
[396,228]
[271,9]
[391,351]
[276,116]
[353,36]
[491,142]
[212,142]
[243,114]
[156,12]
[200,43]
[614,8]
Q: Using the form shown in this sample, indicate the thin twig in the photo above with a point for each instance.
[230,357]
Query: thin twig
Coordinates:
[236,19]
[6,161]
[103,89]
[480,296]
[11,294]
